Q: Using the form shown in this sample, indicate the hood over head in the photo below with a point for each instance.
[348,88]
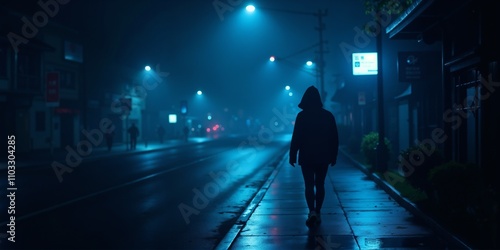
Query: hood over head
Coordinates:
[311,99]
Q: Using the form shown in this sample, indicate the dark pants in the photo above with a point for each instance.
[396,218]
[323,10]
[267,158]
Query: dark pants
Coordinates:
[133,142]
[314,176]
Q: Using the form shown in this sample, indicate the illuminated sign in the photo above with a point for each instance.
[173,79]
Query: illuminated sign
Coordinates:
[172,118]
[364,63]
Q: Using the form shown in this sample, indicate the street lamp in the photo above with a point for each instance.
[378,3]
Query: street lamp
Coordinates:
[199,92]
[250,8]
[321,27]
[147,68]
[307,67]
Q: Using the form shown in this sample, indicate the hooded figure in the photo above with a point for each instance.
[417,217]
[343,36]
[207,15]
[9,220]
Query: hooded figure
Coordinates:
[315,138]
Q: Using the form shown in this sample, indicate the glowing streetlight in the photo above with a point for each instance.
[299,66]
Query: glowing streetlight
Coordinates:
[272,58]
[309,63]
[250,8]
[290,94]
[287,87]
[147,68]
[199,92]
[320,14]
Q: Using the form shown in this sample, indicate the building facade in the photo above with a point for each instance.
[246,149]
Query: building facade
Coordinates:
[41,78]
[467,32]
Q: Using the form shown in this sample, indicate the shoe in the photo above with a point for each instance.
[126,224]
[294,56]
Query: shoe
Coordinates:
[311,219]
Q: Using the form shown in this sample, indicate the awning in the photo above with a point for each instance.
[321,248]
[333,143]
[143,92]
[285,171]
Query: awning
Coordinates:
[422,17]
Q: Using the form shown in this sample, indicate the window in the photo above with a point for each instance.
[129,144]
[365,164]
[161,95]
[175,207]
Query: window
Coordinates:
[28,71]
[67,79]
[73,52]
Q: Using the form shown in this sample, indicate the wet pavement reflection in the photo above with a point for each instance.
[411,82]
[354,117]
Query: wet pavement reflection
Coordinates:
[356,215]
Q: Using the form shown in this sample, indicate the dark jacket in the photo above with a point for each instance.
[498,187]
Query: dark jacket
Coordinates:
[315,134]
[133,131]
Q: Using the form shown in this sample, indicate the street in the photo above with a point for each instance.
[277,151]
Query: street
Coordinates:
[186,197]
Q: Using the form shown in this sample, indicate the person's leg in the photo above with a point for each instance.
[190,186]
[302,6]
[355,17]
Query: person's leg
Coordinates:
[319,182]
[308,174]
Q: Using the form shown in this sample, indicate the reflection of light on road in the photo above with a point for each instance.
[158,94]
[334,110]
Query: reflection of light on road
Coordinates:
[373,243]
[198,139]
[150,197]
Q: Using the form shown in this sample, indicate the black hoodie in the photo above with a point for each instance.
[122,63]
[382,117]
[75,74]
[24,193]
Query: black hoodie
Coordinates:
[315,134]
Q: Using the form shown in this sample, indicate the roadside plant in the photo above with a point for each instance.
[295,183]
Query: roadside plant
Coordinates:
[416,162]
[369,147]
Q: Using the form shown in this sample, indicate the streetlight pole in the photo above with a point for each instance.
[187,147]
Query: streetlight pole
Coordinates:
[300,67]
[382,150]
[321,62]
[321,27]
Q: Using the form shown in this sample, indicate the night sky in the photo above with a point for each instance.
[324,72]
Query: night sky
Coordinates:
[224,55]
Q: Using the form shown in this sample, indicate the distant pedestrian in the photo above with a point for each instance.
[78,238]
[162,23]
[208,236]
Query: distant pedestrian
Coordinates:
[134,133]
[109,134]
[161,133]
[315,138]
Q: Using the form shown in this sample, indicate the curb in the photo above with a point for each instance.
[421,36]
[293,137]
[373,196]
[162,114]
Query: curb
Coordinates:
[238,226]
[407,204]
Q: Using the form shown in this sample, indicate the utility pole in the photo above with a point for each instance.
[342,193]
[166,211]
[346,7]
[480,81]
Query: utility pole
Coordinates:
[320,28]
[382,150]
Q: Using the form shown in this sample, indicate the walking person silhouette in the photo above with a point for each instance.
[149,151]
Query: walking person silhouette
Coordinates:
[134,133]
[109,134]
[315,138]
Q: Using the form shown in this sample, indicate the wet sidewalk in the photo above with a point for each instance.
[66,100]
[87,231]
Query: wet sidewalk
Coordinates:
[357,214]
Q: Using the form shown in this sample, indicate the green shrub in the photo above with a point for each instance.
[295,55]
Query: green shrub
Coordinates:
[369,145]
[416,162]
[404,187]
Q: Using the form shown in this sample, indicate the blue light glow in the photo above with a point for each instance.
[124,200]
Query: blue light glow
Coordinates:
[250,8]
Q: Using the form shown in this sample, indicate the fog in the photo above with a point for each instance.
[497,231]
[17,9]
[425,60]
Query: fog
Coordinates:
[213,46]
[221,50]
